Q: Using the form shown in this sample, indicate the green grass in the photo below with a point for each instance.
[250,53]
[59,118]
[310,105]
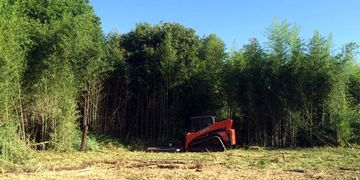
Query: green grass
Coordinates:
[113,160]
[110,150]
[287,159]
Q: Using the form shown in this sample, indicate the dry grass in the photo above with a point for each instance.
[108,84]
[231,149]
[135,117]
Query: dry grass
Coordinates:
[112,162]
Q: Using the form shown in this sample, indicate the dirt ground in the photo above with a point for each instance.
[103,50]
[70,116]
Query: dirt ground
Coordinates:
[175,170]
[116,162]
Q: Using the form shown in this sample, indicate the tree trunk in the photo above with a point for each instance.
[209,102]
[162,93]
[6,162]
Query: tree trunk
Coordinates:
[85,126]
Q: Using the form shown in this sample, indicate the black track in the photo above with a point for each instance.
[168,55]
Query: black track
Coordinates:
[210,144]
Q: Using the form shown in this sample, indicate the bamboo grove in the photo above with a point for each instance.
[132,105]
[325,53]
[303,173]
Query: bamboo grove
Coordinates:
[61,77]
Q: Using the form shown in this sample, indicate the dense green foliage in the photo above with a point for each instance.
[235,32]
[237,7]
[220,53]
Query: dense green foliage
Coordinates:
[52,55]
[292,92]
[13,37]
[166,75]
[59,75]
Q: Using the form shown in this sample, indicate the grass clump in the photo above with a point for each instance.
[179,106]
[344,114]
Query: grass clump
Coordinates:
[12,149]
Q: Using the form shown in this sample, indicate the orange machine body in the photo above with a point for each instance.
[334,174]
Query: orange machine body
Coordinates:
[223,129]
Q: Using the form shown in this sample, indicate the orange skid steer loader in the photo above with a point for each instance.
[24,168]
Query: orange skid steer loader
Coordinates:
[205,135]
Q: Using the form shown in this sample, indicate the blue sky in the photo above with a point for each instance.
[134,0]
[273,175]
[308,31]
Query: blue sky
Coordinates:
[236,21]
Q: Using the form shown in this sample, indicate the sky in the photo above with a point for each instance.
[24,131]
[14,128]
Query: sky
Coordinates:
[236,21]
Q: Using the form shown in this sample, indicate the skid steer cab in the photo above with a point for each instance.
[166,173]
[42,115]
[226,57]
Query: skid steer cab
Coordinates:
[205,134]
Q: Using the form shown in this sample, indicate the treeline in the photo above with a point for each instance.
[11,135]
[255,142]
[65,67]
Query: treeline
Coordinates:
[52,57]
[61,77]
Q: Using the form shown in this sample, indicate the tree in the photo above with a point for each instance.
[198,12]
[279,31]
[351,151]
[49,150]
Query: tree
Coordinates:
[13,37]
[64,61]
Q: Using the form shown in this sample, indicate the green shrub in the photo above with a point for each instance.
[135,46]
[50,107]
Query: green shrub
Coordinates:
[12,148]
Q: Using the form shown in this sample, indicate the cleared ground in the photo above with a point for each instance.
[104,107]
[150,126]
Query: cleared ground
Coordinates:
[113,162]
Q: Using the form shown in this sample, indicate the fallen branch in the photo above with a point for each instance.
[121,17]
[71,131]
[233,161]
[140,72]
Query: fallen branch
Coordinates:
[43,144]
